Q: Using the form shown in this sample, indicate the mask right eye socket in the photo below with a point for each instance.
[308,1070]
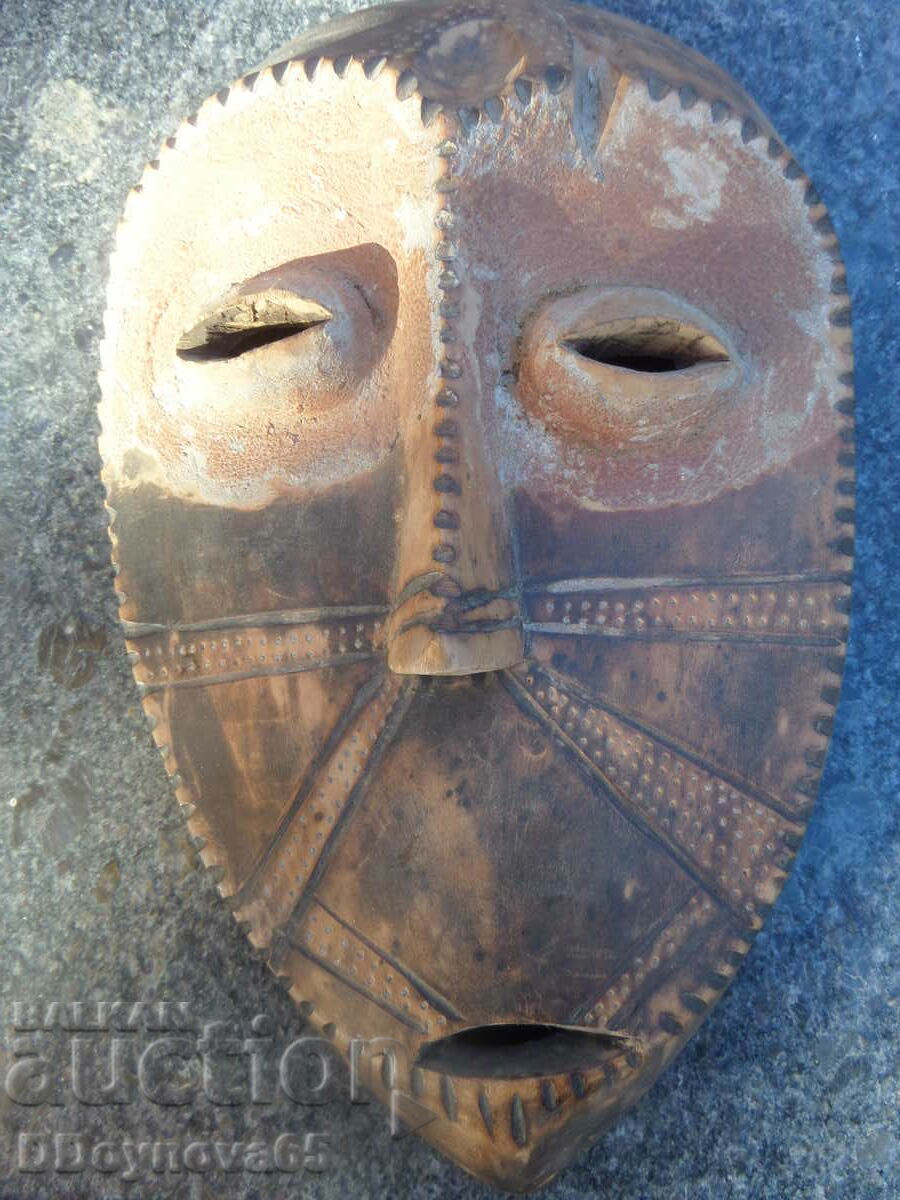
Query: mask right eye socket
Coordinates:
[647,345]
[624,367]
[248,323]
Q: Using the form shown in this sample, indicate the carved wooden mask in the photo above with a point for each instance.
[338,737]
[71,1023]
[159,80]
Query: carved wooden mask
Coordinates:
[476,431]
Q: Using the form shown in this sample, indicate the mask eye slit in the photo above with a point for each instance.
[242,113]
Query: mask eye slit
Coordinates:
[648,345]
[248,323]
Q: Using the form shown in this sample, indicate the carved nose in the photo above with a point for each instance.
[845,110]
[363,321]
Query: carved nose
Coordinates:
[480,633]
[457,610]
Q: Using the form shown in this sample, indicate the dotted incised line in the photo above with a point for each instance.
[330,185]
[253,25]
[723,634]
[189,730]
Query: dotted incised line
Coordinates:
[663,950]
[729,837]
[802,610]
[844,513]
[337,943]
[661,973]
[170,658]
[305,841]
[446,428]
[840,327]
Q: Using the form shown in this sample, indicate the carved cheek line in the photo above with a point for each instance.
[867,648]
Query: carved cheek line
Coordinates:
[222,652]
[269,619]
[275,897]
[339,948]
[805,611]
[698,814]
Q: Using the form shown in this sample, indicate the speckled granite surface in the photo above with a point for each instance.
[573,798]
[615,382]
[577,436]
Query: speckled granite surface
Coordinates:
[790,1090]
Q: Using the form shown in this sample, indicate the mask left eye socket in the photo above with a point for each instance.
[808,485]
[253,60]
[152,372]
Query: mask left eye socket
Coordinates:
[248,323]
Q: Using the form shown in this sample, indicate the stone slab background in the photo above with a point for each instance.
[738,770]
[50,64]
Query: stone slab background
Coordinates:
[791,1088]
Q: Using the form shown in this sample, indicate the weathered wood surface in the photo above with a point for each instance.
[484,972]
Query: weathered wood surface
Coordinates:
[476,428]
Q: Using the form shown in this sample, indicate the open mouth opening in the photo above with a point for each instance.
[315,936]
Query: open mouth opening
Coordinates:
[520,1051]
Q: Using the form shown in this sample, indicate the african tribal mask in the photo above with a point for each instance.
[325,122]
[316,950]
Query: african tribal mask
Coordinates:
[476,397]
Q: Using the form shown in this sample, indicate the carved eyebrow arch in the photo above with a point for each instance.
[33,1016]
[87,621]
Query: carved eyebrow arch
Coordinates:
[248,322]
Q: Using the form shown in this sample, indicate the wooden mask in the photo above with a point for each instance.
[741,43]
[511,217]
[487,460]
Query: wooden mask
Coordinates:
[476,397]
